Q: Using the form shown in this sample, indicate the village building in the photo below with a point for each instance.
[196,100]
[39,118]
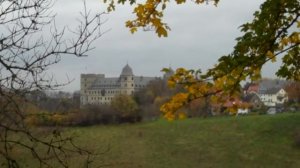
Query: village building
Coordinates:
[270,92]
[273,97]
[254,100]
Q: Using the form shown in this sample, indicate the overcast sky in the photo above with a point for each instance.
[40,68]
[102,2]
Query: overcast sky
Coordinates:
[200,35]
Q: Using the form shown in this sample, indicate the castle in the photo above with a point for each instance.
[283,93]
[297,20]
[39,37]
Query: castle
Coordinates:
[97,89]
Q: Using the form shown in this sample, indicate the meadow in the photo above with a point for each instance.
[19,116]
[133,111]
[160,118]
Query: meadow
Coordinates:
[243,141]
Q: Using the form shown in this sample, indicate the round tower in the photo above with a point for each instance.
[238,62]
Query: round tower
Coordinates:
[127,80]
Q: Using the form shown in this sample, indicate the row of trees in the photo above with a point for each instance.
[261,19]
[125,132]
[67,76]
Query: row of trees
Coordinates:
[145,104]
[62,108]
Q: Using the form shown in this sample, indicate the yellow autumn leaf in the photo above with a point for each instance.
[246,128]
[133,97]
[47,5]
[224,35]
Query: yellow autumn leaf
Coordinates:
[171,84]
[256,70]
[199,1]
[156,22]
[270,54]
[285,41]
[180,1]
[161,32]
[232,110]
[169,116]
[295,37]
[133,30]
[181,115]
[149,6]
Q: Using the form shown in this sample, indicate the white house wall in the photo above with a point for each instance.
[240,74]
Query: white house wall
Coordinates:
[271,100]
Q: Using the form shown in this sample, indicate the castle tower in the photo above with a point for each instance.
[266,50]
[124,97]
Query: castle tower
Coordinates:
[127,80]
[86,80]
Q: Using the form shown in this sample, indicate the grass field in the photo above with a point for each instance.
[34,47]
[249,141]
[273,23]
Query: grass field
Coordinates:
[246,141]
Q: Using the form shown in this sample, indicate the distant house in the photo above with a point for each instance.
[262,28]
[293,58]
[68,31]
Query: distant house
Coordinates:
[251,88]
[273,97]
[243,106]
[254,100]
[270,92]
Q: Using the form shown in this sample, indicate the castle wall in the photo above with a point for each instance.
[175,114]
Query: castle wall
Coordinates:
[98,90]
[86,80]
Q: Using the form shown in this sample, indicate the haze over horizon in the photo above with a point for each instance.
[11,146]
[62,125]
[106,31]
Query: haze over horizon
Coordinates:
[193,43]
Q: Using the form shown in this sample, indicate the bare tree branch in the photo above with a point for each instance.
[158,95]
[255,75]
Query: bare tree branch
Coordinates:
[26,54]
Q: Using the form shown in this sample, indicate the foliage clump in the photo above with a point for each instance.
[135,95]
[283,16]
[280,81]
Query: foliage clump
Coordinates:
[274,32]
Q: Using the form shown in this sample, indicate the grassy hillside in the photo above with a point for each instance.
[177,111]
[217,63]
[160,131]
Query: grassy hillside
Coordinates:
[252,141]
[247,141]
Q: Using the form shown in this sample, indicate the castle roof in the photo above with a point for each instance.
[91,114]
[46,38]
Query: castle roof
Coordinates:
[142,80]
[105,83]
[127,71]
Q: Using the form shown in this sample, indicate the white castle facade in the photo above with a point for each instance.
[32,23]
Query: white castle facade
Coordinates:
[97,89]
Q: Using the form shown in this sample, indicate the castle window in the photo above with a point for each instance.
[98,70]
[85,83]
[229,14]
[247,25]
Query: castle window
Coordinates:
[132,85]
